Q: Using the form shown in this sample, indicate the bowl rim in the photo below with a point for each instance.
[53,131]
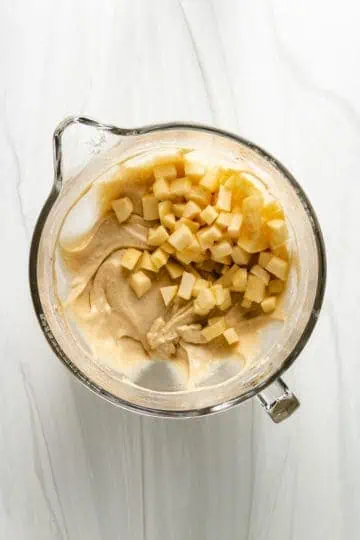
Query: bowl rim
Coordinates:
[49,203]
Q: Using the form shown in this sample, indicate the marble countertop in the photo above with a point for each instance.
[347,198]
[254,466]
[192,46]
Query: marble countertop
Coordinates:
[283,74]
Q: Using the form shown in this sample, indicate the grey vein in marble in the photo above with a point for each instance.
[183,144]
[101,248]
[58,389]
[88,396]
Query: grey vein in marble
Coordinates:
[38,430]
[10,141]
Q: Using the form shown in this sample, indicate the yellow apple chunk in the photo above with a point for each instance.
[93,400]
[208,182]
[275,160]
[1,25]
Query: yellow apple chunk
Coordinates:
[269,304]
[140,283]
[150,207]
[231,336]
[123,208]
[214,330]
[186,286]
[130,258]
[278,267]
[181,238]
[255,289]
[168,293]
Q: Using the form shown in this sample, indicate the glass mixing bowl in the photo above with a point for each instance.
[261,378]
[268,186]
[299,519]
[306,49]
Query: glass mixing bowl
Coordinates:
[84,151]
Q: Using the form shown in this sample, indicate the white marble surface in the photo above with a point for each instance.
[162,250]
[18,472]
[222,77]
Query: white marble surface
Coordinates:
[284,74]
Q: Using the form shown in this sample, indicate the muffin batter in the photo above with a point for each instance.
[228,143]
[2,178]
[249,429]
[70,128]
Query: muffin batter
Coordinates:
[124,328]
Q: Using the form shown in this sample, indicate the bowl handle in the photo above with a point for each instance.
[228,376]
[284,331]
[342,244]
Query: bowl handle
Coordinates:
[58,140]
[278,401]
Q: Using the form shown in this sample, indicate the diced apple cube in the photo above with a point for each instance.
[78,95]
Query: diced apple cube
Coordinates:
[178,209]
[246,303]
[220,250]
[269,304]
[255,289]
[175,270]
[123,208]
[186,285]
[246,186]
[167,156]
[185,257]
[257,242]
[224,199]
[130,258]
[264,258]
[281,251]
[150,207]
[258,271]
[251,207]
[223,221]
[200,284]
[195,246]
[278,267]
[169,221]
[191,210]
[227,300]
[180,187]
[213,320]
[165,207]
[231,336]
[226,279]
[227,260]
[208,235]
[223,175]
[237,199]
[218,292]
[253,203]
[193,166]
[158,236]
[231,182]
[168,293]
[140,283]
[204,302]
[145,262]
[200,195]
[272,210]
[240,256]
[235,225]
[181,238]
[276,286]
[159,258]
[192,225]
[209,214]
[214,330]
[168,248]
[239,280]
[161,189]
[278,231]
[167,171]
[210,180]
